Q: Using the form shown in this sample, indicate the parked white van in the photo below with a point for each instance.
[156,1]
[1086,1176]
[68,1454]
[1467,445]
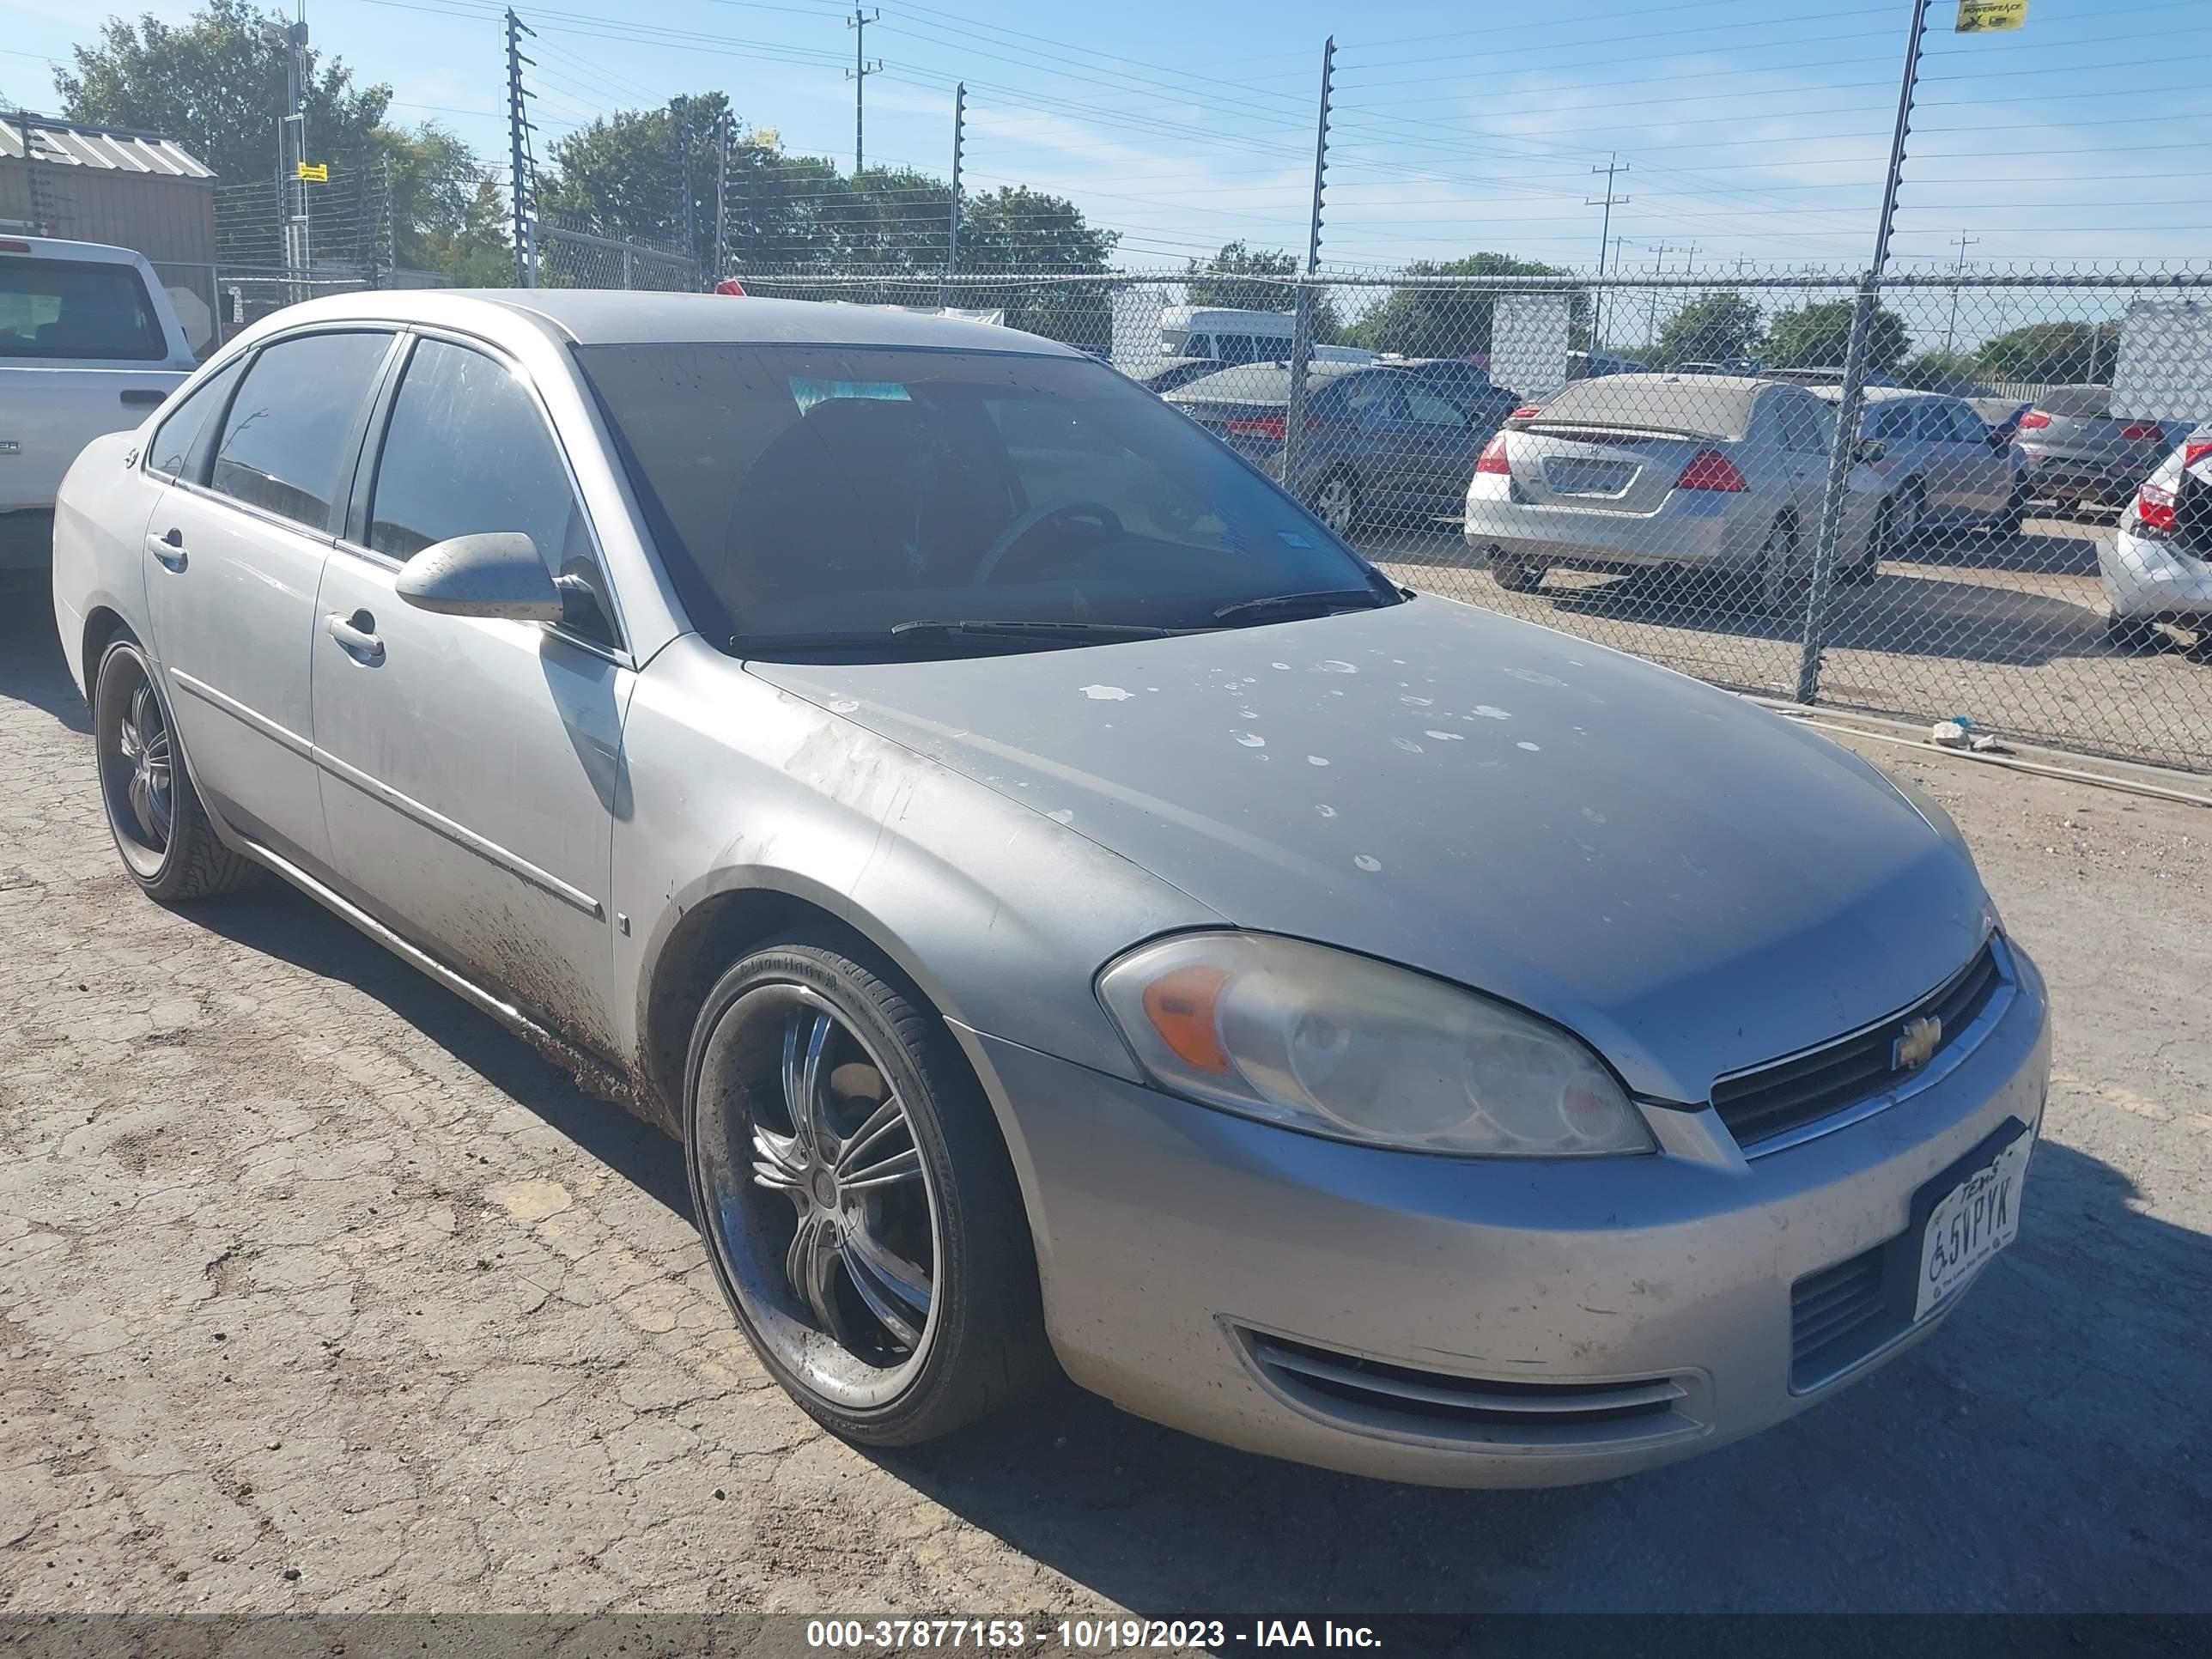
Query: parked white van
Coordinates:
[1227,335]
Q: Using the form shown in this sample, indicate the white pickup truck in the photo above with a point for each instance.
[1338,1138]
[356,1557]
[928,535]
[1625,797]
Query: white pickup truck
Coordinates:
[89,344]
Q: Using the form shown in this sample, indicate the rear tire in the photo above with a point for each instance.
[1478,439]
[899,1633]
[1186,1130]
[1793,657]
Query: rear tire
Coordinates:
[1784,578]
[871,1167]
[1517,576]
[161,829]
[1337,501]
[2014,519]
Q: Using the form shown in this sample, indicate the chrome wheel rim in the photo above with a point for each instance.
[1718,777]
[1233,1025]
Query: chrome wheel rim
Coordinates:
[1335,502]
[137,768]
[819,1207]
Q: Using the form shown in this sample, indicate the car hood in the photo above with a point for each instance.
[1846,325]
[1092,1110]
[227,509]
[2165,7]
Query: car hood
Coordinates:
[1692,884]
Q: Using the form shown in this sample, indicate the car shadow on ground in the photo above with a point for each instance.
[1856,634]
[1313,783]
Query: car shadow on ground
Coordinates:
[32,669]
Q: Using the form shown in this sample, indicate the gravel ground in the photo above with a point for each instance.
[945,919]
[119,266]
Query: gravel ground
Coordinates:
[317,1291]
[2010,631]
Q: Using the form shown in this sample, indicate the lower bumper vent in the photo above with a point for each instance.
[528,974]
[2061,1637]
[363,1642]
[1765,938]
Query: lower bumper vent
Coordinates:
[1838,1317]
[1372,1394]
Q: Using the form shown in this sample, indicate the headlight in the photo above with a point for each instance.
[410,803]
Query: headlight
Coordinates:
[1342,1045]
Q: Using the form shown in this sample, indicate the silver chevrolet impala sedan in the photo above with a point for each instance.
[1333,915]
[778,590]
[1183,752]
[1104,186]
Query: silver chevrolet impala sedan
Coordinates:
[1072,909]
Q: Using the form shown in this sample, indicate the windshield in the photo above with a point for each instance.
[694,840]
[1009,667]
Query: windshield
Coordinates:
[804,490]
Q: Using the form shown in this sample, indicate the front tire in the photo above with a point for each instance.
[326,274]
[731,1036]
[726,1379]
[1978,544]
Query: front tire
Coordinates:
[161,829]
[858,1206]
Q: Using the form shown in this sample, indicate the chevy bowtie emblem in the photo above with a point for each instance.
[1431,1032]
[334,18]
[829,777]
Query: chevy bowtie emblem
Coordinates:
[1918,1046]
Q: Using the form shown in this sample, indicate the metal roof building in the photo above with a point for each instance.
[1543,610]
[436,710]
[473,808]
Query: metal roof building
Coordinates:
[135,190]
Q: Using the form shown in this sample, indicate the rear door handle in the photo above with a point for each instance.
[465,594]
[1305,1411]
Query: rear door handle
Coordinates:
[143,399]
[358,634]
[168,547]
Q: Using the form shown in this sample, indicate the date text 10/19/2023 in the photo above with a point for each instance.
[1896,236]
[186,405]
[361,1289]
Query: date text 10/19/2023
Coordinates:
[1083,1635]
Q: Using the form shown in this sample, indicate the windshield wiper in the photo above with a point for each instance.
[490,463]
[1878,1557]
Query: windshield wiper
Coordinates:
[1038,630]
[1333,598]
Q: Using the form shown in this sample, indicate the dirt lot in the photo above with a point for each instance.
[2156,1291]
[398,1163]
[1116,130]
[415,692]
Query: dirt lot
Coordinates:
[2009,630]
[319,1291]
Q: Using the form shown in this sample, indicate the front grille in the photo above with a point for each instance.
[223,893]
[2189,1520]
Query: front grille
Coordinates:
[1773,1100]
[1371,1393]
[1837,1317]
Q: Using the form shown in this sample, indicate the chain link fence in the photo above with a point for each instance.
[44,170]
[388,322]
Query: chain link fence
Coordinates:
[2014,525]
[568,257]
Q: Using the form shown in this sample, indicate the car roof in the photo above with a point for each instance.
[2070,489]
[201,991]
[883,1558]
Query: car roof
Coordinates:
[55,247]
[622,317]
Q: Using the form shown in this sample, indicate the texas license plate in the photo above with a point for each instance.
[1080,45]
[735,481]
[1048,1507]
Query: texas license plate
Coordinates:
[1972,1223]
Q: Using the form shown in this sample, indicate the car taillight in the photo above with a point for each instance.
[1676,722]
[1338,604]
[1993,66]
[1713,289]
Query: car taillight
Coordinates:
[1526,412]
[1711,470]
[2033,421]
[1493,457]
[1274,428]
[2193,453]
[2143,432]
[2154,509]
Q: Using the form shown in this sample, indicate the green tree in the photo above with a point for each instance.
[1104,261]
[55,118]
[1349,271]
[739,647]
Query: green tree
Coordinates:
[446,214]
[1818,335]
[1939,370]
[1427,322]
[1024,232]
[214,85]
[2054,353]
[1227,278]
[624,175]
[1708,329]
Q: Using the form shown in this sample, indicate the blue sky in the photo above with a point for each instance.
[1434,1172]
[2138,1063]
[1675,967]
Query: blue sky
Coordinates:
[1754,130]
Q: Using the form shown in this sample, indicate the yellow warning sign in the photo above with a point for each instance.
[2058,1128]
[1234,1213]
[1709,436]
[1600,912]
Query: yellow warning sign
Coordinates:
[1985,16]
[315,172]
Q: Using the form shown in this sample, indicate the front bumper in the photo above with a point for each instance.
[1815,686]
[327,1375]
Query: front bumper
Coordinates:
[2148,579]
[1626,1311]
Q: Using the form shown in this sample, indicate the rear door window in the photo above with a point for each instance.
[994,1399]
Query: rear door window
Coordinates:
[287,444]
[177,447]
[1427,408]
[79,310]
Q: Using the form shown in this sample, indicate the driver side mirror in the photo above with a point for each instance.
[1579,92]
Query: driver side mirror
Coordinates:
[496,576]
[1868,450]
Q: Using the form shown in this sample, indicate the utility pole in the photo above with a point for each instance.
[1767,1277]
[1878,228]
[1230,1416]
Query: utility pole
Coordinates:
[721,198]
[1843,458]
[521,184]
[1659,251]
[1962,242]
[858,75]
[1613,165]
[292,149]
[1302,318]
[959,144]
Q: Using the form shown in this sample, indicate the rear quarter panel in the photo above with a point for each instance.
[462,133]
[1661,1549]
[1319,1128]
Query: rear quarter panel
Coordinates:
[100,526]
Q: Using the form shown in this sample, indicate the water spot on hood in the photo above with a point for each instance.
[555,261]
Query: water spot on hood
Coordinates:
[1419,703]
[1593,815]
[1250,739]
[1532,678]
[1491,711]
[1249,714]
[1446,736]
[1063,816]
[1326,811]
[843,706]
[1367,861]
[1107,694]
[1278,665]
[1405,744]
[1332,665]
[1316,760]
[1531,747]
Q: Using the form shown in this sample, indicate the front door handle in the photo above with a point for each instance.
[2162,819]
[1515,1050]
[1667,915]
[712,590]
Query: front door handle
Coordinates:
[168,547]
[358,634]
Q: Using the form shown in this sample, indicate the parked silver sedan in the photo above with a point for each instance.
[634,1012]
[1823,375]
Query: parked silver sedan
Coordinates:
[1070,906]
[1716,474]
